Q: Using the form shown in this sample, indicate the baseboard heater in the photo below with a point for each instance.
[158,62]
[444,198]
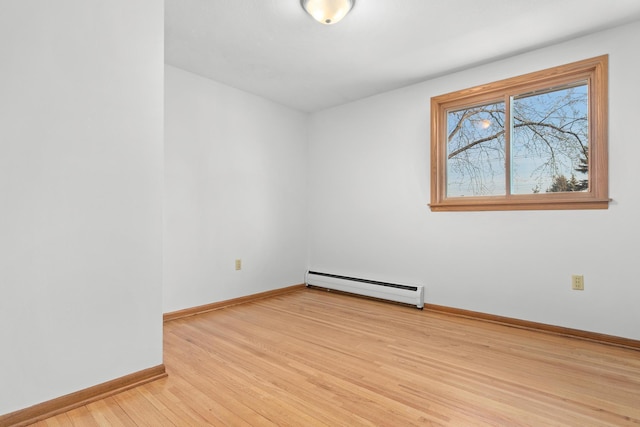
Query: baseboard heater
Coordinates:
[407,294]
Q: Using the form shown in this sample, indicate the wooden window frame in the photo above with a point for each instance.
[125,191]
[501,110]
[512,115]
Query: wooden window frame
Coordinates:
[595,72]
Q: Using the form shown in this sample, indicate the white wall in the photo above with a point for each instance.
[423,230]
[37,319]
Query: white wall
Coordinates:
[81,117]
[235,179]
[369,190]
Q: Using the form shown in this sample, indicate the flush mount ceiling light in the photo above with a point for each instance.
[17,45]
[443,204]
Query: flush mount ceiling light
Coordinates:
[327,11]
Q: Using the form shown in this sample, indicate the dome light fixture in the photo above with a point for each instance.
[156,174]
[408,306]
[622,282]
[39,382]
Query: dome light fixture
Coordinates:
[327,11]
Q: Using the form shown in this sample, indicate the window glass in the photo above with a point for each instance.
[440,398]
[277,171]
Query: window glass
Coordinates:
[476,151]
[550,141]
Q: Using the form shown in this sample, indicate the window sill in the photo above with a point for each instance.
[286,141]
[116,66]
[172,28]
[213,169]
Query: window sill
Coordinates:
[469,204]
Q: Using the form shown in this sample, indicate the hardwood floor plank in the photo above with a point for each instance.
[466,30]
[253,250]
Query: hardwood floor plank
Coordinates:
[81,417]
[61,420]
[107,412]
[141,410]
[316,358]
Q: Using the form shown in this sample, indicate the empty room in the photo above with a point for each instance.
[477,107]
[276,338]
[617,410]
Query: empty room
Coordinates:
[319,213]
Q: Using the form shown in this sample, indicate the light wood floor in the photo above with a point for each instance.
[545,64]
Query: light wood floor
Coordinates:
[314,358]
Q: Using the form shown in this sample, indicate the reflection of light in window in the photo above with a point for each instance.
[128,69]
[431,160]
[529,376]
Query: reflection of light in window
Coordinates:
[482,124]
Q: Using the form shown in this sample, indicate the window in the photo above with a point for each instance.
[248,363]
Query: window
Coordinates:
[537,141]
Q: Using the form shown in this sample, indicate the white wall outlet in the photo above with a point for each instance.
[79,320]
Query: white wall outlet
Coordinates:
[238,264]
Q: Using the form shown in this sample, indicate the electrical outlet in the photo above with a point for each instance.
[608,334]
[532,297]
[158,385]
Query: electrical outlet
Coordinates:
[238,264]
[577,282]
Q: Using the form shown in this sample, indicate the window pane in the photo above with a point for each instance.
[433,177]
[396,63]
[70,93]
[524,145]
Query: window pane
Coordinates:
[549,140]
[476,151]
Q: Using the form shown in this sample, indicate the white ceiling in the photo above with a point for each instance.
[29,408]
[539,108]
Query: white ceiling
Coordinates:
[272,48]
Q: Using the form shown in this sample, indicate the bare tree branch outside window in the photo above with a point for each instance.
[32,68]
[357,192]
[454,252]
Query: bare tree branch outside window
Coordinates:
[548,144]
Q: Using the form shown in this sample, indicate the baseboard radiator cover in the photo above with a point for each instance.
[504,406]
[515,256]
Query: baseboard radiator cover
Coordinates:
[406,294]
